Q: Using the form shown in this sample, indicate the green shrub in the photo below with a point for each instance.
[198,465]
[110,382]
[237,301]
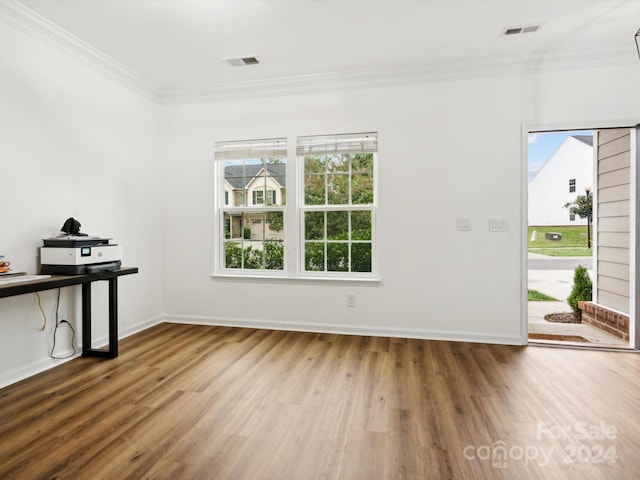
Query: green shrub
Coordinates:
[582,288]
[252,258]
[233,255]
[272,258]
[246,233]
[274,254]
[314,257]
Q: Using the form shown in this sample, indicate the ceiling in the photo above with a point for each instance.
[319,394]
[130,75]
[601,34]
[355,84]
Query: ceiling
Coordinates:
[178,47]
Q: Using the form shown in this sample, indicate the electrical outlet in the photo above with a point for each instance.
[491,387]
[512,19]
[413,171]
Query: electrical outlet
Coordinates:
[463,224]
[498,225]
[351,300]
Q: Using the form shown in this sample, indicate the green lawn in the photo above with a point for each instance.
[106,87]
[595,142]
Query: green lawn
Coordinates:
[536,296]
[572,244]
[564,252]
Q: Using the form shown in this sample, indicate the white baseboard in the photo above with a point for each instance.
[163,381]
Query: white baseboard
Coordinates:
[474,337]
[34,368]
[126,332]
[18,374]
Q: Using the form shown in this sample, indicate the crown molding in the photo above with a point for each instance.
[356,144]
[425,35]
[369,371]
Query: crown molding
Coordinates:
[407,74]
[19,16]
[38,27]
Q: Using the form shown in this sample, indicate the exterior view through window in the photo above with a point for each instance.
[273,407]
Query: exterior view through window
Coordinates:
[327,229]
[338,202]
[254,183]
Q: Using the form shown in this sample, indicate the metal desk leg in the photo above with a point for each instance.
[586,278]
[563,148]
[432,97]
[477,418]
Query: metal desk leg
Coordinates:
[112,351]
[86,318]
[113,317]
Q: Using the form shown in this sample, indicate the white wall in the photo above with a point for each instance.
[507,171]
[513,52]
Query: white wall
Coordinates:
[549,188]
[463,137]
[73,143]
[437,282]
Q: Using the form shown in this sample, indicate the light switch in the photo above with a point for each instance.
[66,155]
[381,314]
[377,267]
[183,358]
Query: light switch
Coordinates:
[498,225]
[463,224]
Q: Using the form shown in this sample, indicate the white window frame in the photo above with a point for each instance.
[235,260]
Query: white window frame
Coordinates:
[293,216]
[327,144]
[242,150]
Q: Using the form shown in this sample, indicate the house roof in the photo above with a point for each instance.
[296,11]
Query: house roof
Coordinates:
[588,139]
[239,176]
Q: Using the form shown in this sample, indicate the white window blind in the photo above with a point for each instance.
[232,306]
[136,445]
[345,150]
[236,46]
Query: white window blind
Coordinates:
[238,150]
[337,144]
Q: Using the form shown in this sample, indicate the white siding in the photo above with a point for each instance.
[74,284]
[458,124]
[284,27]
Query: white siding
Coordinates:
[549,188]
[613,225]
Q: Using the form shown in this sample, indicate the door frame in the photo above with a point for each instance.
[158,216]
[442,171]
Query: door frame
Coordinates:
[634,260]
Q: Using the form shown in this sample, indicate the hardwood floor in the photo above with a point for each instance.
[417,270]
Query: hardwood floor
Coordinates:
[198,402]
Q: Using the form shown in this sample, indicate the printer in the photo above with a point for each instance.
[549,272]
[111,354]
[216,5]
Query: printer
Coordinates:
[74,256]
[73,253]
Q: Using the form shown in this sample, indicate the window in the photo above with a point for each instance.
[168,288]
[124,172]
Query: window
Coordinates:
[253,234]
[258,197]
[326,230]
[572,185]
[338,202]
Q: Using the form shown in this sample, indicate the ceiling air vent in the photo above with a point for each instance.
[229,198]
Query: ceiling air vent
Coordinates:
[519,30]
[242,61]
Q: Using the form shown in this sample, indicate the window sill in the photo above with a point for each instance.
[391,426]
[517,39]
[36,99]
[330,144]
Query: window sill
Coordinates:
[299,279]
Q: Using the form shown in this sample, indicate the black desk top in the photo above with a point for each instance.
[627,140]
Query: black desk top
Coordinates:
[58,281]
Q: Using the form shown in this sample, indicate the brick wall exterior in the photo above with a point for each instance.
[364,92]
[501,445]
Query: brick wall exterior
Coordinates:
[607,320]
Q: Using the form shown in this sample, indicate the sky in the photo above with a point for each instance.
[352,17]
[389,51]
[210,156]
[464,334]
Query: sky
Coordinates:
[543,144]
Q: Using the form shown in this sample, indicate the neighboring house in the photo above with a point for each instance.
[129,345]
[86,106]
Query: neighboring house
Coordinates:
[559,181]
[254,186]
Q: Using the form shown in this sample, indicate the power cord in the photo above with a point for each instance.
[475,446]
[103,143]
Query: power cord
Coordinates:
[55,330]
[44,315]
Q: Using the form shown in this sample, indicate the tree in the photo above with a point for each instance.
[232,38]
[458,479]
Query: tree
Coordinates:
[582,288]
[275,220]
[581,206]
[337,180]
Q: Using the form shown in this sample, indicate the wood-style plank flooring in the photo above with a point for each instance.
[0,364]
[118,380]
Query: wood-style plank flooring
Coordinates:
[200,402]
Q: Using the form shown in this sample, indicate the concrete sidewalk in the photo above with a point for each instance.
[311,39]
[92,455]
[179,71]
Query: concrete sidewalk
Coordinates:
[555,283]
[537,324]
[558,284]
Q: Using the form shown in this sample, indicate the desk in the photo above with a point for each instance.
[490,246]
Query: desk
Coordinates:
[58,281]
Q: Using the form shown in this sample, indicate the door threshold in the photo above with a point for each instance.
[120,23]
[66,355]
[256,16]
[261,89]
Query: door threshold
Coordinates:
[582,346]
